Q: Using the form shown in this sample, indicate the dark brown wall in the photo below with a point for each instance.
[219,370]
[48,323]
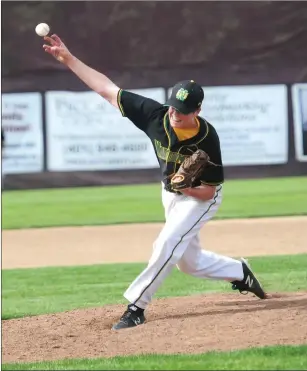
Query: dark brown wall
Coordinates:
[155,43]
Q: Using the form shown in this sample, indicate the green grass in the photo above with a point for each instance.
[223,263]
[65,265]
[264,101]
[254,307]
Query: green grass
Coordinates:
[47,290]
[266,358]
[139,203]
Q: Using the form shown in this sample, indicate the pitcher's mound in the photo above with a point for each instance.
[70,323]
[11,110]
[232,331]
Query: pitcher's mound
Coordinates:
[195,324]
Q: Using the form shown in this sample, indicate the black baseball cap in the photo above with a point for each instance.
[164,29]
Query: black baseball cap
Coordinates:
[186,97]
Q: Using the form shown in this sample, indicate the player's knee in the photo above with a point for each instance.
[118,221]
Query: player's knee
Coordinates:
[169,248]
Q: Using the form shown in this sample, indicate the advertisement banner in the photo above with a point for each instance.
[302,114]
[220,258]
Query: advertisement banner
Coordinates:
[85,132]
[251,121]
[299,104]
[22,124]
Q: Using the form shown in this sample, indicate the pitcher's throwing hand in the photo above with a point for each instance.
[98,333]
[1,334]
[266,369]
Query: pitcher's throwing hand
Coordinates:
[57,49]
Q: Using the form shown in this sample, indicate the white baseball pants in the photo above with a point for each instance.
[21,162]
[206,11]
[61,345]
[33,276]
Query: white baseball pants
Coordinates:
[178,245]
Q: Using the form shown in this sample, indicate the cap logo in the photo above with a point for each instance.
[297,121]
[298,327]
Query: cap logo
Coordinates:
[182,94]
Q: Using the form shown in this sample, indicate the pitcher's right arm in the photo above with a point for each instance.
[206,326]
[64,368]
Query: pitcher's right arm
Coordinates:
[95,80]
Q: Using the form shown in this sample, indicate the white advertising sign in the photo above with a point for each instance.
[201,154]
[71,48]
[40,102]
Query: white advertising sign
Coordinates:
[22,123]
[251,121]
[299,104]
[85,132]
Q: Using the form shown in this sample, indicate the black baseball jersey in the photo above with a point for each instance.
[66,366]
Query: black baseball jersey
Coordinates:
[152,118]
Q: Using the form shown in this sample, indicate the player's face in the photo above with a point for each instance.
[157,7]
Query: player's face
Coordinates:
[179,119]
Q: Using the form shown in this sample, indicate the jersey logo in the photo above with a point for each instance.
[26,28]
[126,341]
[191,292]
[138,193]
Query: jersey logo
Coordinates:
[182,94]
[167,155]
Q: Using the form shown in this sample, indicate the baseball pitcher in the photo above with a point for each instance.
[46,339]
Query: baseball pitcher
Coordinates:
[188,150]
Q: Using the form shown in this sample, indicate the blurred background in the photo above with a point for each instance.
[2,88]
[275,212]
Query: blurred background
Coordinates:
[250,58]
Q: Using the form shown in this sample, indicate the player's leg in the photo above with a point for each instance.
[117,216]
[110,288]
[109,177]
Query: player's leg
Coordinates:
[206,264]
[133,315]
[184,221]
[169,201]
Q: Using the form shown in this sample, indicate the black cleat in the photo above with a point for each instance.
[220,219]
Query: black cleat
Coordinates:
[249,283]
[129,319]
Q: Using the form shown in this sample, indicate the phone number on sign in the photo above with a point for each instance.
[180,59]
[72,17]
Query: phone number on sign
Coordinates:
[86,148]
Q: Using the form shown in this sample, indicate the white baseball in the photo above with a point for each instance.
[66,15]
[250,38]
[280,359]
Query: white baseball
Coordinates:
[42,29]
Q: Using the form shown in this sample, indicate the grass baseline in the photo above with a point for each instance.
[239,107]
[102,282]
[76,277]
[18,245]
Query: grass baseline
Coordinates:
[142,203]
[285,357]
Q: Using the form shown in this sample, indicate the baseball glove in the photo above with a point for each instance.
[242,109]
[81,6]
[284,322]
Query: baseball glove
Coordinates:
[190,169]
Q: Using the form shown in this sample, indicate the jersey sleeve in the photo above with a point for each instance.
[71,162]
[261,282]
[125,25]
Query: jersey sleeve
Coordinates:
[137,108]
[213,174]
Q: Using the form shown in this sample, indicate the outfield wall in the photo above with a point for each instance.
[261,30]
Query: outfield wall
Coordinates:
[58,148]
